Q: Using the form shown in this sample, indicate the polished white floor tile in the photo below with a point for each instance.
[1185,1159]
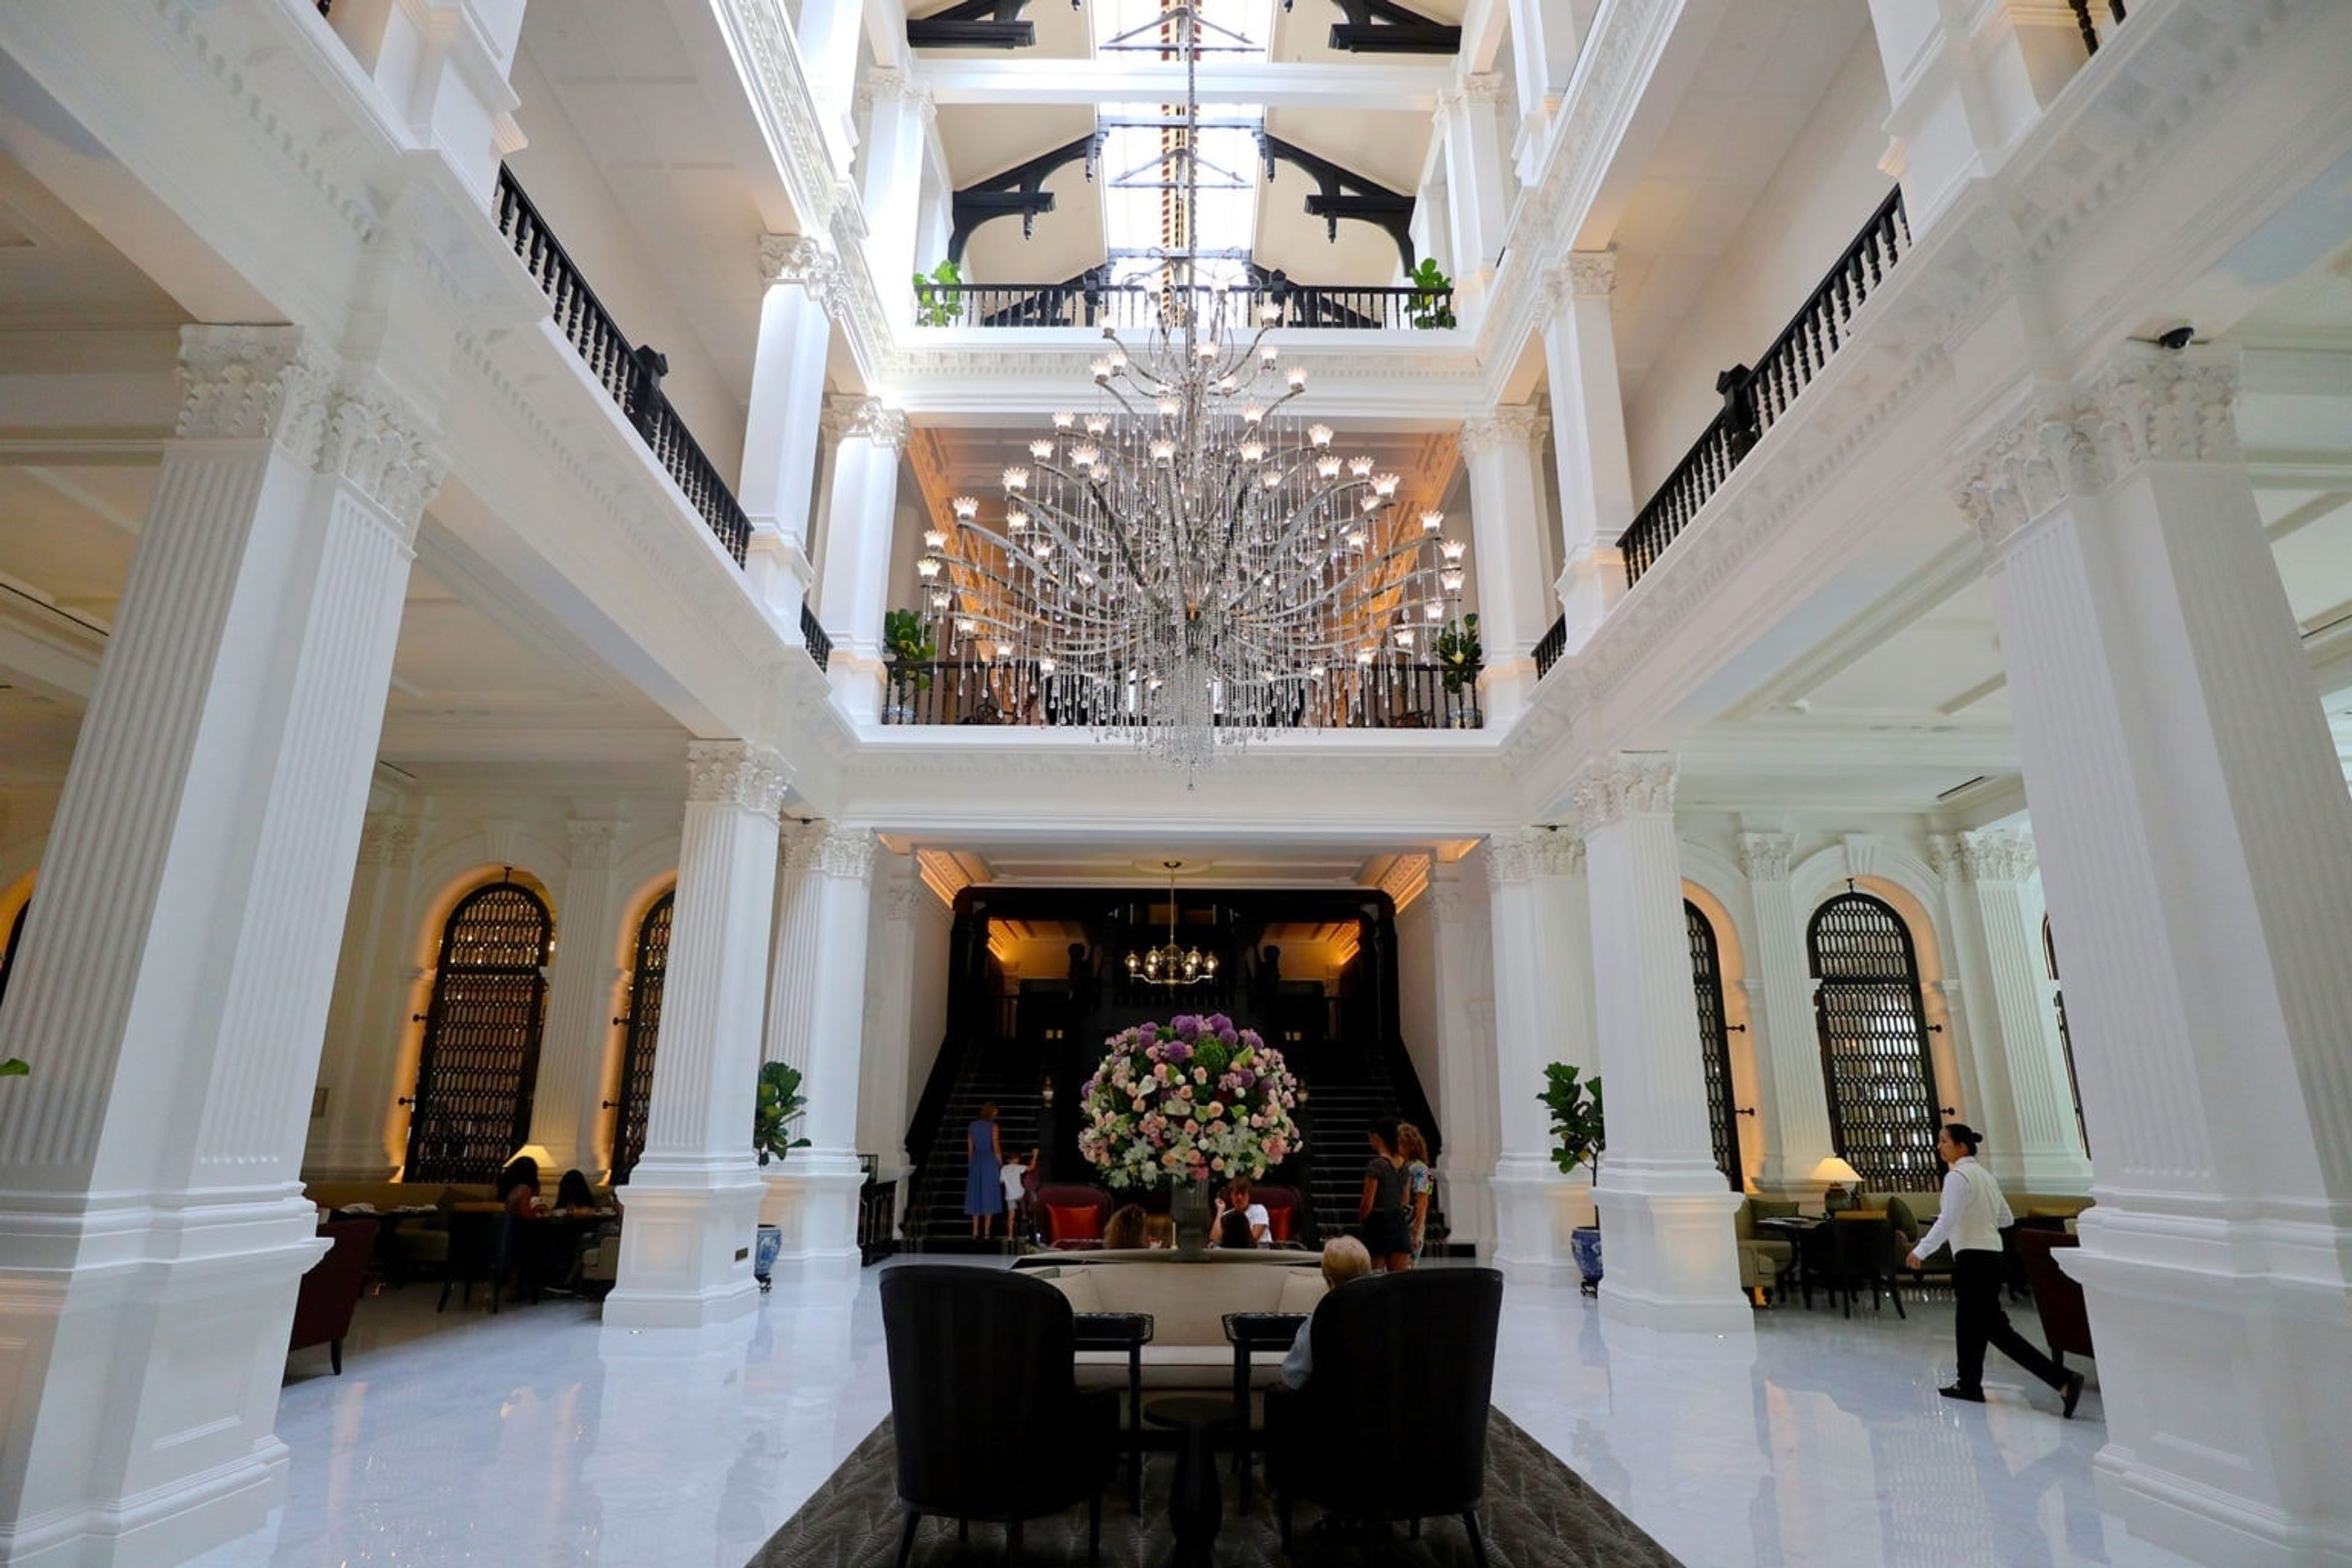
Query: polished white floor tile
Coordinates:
[538,1436]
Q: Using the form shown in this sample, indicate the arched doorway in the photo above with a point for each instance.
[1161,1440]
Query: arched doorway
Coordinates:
[644,1021]
[2065,1040]
[479,1061]
[1713,1044]
[1881,1081]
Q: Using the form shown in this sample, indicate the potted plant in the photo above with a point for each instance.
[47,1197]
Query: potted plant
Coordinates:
[938,298]
[1578,1134]
[1432,306]
[1460,653]
[908,652]
[780,1101]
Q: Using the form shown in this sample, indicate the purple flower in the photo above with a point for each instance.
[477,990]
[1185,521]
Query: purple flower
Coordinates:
[1218,1023]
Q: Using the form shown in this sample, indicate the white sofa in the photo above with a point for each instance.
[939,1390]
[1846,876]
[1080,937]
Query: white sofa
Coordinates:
[1188,1301]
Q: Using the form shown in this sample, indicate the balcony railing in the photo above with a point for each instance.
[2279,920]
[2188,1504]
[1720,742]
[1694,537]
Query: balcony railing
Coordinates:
[1008,691]
[1135,307]
[820,647]
[1754,400]
[1552,645]
[630,375]
[2088,23]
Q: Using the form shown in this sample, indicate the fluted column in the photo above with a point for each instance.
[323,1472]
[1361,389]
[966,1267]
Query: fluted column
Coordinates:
[175,971]
[864,510]
[1464,1016]
[2196,847]
[1505,512]
[1469,117]
[882,1083]
[694,1196]
[899,131]
[567,1113]
[1793,1098]
[829,33]
[369,1003]
[778,489]
[1666,1217]
[1588,423]
[815,1190]
[1542,987]
[1545,37]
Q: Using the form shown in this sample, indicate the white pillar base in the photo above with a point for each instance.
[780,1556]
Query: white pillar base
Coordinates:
[2048,1170]
[1535,1208]
[812,1199]
[1667,1261]
[858,683]
[686,1244]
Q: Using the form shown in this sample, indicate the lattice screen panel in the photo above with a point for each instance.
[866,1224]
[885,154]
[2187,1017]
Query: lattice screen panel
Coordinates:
[1715,1044]
[1875,1045]
[645,1027]
[480,1058]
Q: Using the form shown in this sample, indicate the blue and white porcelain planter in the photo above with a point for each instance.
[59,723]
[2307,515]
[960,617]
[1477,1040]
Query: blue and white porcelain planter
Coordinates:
[766,1243]
[1584,1246]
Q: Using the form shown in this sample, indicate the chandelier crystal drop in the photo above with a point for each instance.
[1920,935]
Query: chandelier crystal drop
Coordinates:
[1194,563]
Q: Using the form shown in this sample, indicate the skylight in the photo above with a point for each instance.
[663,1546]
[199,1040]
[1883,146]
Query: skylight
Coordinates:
[1136,170]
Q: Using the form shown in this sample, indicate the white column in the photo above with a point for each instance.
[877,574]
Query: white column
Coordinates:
[1545,37]
[2196,847]
[780,426]
[1467,1102]
[865,509]
[1505,510]
[1469,117]
[1540,1018]
[1588,434]
[882,1083]
[443,66]
[815,1188]
[567,1114]
[175,971]
[829,35]
[1668,1260]
[1966,82]
[1792,1098]
[694,1197]
[898,133]
[371,987]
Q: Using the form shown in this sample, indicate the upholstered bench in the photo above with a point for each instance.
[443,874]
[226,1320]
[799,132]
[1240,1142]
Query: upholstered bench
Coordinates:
[1188,1301]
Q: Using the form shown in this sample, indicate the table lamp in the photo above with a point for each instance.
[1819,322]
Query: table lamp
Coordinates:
[1833,1173]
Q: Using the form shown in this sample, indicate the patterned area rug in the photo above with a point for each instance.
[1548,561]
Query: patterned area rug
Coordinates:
[1538,1514]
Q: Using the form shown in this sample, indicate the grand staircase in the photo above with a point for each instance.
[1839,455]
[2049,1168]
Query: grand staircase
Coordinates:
[935,1220]
[1347,1093]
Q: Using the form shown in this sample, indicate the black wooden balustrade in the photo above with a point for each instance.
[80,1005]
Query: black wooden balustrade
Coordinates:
[820,647]
[630,373]
[2088,23]
[1383,696]
[1553,644]
[1755,399]
[1137,307]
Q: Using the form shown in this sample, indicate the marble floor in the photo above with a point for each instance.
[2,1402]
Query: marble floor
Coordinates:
[539,1438]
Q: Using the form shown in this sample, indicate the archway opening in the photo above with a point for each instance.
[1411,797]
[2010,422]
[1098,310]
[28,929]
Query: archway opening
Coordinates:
[479,1063]
[1874,1050]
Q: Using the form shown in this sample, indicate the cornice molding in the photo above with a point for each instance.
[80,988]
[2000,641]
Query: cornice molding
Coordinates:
[738,774]
[1628,784]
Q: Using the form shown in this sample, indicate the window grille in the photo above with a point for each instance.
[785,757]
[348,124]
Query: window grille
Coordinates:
[1715,1045]
[1882,1098]
[480,1062]
[644,1021]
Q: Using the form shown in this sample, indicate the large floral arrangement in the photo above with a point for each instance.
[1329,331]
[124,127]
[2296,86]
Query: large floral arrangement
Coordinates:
[1190,1100]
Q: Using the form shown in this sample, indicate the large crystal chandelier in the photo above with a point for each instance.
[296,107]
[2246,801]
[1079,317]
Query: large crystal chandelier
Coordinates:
[1191,561]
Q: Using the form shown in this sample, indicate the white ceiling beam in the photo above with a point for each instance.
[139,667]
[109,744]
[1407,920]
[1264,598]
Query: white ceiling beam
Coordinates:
[1275,84]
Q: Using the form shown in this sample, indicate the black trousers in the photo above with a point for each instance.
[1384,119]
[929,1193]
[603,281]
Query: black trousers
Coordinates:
[1977,1279]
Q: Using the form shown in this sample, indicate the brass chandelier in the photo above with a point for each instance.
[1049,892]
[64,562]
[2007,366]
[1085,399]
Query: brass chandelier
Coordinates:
[1171,963]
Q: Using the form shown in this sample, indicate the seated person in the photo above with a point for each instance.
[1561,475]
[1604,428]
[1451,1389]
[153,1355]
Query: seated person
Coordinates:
[1234,1231]
[1236,1199]
[1158,1232]
[1123,1232]
[575,1198]
[1344,1258]
[519,1188]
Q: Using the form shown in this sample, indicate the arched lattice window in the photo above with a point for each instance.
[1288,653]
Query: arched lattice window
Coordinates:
[16,935]
[2065,1040]
[644,1021]
[1882,1090]
[480,1058]
[1713,1044]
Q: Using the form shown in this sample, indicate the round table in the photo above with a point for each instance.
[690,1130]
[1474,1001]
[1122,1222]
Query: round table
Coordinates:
[1194,1507]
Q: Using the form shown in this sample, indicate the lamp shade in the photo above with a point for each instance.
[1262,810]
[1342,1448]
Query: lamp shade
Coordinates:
[537,1154]
[1836,1172]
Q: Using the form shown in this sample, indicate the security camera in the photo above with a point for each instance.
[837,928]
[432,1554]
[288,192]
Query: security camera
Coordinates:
[2176,338]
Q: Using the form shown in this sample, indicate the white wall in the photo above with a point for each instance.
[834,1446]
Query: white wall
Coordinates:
[1417,1000]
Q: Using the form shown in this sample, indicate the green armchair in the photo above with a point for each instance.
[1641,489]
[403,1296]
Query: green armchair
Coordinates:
[1763,1259]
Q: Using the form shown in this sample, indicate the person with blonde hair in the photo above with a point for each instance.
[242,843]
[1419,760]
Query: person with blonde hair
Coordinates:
[1123,1232]
[1344,1258]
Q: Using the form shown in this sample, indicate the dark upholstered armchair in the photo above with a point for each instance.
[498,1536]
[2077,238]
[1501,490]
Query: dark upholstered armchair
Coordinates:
[330,1290]
[1392,1423]
[482,1250]
[1072,1215]
[2057,1297]
[989,1421]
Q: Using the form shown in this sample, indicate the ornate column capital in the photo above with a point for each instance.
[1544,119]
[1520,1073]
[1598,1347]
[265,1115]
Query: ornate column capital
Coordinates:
[865,419]
[1628,784]
[1513,425]
[798,258]
[1510,858]
[1557,851]
[1483,88]
[1581,275]
[1945,858]
[847,852]
[887,84]
[737,773]
[1764,857]
[589,843]
[797,844]
[389,840]
[899,900]
[1996,855]
[2145,405]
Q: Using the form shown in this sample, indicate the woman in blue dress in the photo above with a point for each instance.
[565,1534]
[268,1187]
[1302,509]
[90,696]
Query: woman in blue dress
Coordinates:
[984,1193]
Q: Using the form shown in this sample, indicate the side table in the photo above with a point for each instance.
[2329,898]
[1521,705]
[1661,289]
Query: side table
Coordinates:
[1194,1507]
[1248,1332]
[1128,1331]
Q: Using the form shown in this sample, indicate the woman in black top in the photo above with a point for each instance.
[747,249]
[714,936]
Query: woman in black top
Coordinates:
[1382,1213]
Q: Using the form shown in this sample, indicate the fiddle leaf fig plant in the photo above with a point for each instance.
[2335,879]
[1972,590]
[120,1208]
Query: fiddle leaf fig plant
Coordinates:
[1430,309]
[1460,652]
[1576,1128]
[938,298]
[779,1104]
[907,649]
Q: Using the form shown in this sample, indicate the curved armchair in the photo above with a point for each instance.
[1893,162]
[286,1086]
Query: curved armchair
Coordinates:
[988,1419]
[330,1290]
[1392,1423]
